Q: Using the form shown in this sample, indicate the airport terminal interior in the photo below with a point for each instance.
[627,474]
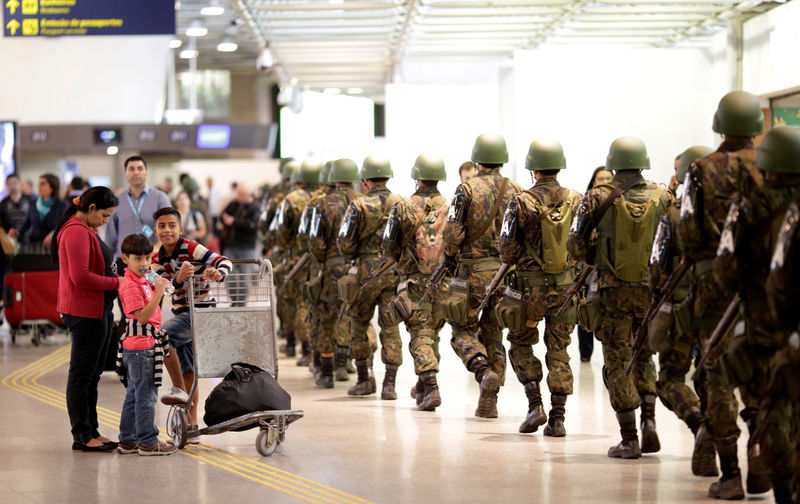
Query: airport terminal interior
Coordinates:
[212,98]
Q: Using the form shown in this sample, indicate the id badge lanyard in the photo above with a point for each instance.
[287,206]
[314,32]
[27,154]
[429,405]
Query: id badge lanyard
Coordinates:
[146,229]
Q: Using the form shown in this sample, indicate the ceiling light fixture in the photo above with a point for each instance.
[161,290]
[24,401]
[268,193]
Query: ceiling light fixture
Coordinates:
[112,150]
[332,91]
[175,43]
[196,29]
[355,91]
[227,45]
[188,54]
[213,9]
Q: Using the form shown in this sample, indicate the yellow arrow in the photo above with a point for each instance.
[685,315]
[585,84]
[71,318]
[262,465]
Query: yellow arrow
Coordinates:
[12,5]
[13,26]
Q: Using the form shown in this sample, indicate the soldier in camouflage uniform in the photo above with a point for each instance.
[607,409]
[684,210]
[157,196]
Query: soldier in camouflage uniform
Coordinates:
[614,230]
[534,237]
[743,260]
[471,239]
[413,236]
[326,218]
[670,332]
[711,184]
[359,240]
[288,221]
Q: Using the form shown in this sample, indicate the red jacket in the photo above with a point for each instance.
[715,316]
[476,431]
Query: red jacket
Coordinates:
[81,268]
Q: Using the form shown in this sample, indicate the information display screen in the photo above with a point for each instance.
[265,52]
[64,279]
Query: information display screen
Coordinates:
[8,151]
[213,136]
[107,135]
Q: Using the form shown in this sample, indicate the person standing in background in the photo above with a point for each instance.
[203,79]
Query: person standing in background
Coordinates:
[467,170]
[240,221]
[27,188]
[193,221]
[213,204]
[137,205]
[43,214]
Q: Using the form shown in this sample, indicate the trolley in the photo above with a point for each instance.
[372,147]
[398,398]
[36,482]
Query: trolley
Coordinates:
[238,327]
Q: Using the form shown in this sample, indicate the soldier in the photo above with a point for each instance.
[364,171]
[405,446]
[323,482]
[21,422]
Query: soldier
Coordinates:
[413,236]
[288,220]
[711,184]
[326,219]
[670,332]
[743,260]
[534,237]
[371,280]
[618,243]
[471,249]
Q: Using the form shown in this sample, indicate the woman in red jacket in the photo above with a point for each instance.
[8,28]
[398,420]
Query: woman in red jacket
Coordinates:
[83,282]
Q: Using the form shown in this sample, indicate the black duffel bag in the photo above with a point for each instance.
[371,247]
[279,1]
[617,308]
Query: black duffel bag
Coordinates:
[246,389]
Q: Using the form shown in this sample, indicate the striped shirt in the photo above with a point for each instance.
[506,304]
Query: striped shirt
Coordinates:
[170,265]
[160,348]
[134,294]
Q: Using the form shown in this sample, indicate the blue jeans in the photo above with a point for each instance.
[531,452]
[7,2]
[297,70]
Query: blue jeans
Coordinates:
[179,330]
[137,423]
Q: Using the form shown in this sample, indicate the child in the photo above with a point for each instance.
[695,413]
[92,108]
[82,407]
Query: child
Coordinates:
[142,350]
[173,262]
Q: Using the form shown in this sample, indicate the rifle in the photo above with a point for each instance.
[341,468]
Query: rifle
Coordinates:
[658,300]
[389,264]
[293,273]
[435,279]
[723,328]
[498,277]
[574,288]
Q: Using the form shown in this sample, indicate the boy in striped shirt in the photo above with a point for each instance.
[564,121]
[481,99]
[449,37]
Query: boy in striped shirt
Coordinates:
[174,261]
[143,349]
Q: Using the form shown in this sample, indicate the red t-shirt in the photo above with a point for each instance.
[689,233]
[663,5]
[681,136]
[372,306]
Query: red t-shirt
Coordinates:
[135,292]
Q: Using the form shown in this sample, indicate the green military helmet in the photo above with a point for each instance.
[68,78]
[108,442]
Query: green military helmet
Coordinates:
[490,148]
[325,172]
[375,167]
[292,171]
[285,174]
[309,171]
[343,171]
[688,157]
[627,153]
[739,114]
[780,151]
[545,154]
[428,167]
[191,185]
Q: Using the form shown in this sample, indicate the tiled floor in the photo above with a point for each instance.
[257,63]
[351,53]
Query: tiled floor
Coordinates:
[344,450]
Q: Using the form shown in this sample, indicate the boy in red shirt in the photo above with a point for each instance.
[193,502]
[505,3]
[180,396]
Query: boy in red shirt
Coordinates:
[143,347]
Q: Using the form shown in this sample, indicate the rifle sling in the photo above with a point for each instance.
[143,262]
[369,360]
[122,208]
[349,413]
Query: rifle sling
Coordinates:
[492,215]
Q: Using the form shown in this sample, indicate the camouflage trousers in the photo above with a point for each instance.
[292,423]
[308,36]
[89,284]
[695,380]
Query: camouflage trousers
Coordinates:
[482,337]
[673,366]
[424,326]
[297,311]
[329,332]
[623,309]
[543,304]
[378,293]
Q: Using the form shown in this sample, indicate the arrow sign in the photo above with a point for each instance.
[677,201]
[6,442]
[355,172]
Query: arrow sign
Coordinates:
[12,6]
[13,26]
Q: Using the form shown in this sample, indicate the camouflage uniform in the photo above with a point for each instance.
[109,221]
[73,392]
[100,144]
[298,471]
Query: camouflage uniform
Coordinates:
[361,247]
[478,261]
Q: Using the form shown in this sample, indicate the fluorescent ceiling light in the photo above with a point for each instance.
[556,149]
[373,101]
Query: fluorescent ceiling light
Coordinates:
[332,91]
[112,150]
[188,54]
[214,9]
[227,45]
[355,90]
[196,29]
[175,43]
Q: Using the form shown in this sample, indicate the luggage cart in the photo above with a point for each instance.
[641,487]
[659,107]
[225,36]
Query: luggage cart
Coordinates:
[238,327]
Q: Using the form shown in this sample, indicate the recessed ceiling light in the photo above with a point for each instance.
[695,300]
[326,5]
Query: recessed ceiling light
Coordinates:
[355,90]
[112,150]
[188,54]
[332,90]
[175,43]
[214,9]
[196,29]
[227,45]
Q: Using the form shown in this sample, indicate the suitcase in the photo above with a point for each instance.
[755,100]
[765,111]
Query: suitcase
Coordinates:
[30,299]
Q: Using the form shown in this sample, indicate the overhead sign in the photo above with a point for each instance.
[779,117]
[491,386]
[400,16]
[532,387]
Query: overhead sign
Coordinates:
[786,116]
[55,18]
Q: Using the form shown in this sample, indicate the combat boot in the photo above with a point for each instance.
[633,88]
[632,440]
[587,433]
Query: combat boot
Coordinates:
[729,485]
[782,490]
[371,372]
[325,375]
[555,424]
[490,386]
[364,386]
[418,391]
[431,390]
[758,476]
[704,457]
[316,363]
[536,415]
[341,363]
[388,392]
[650,442]
[290,342]
[305,358]
[628,448]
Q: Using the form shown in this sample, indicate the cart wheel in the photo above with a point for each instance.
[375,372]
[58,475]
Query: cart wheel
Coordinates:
[267,441]
[178,426]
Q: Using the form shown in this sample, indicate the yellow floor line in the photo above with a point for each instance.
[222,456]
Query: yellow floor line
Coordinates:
[25,381]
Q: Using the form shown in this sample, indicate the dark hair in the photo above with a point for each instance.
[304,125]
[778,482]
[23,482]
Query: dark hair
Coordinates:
[101,197]
[53,182]
[182,178]
[465,166]
[76,183]
[161,212]
[136,244]
[134,158]
[489,165]
[548,173]
[594,174]
[12,175]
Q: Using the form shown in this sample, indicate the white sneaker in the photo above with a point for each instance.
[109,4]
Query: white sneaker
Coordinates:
[176,396]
